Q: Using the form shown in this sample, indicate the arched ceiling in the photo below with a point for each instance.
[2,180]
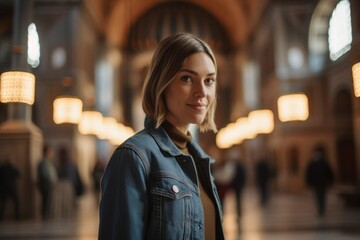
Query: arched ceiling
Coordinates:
[171,17]
[238,17]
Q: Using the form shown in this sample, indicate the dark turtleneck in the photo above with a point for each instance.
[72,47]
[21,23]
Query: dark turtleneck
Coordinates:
[180,140]
[178,137]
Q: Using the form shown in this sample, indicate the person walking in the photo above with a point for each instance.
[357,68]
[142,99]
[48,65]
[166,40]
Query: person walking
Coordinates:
[238,184]
[9,174]
[158,184]
[68,171]
[96,175]
[69,186]
[223,172]
[319,177]
[47,178]
[263,174]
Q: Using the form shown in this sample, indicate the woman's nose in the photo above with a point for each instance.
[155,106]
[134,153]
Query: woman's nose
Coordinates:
[200,91]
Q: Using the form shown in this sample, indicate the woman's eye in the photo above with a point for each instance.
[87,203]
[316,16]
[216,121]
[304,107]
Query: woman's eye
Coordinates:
[186,78]
[210,81]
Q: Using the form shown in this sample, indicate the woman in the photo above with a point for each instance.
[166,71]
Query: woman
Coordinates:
[158,184]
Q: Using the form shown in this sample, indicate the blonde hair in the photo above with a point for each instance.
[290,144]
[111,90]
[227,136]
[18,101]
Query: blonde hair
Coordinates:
[166,62]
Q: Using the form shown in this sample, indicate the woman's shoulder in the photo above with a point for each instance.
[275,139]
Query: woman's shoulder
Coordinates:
[139,138]
[142,142]
[136,149]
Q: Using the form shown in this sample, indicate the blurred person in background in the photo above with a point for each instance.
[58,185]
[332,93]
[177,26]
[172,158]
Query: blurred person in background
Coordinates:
[68,171]
[96,175]
[69,185]
[238,182]
[47,178]
[9,175]
[319,177]
[224,171]
[263,175]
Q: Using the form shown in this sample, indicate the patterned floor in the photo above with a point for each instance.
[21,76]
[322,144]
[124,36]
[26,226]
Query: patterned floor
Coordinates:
[286,217]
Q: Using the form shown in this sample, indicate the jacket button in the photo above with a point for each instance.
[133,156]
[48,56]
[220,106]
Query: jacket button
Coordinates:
[175,188]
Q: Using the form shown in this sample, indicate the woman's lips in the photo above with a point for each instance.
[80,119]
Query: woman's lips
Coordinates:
[198,106]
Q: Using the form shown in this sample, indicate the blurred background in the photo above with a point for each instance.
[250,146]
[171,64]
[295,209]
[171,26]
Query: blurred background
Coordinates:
[72,73]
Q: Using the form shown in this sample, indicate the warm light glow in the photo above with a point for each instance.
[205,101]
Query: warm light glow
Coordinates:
[227,136]
[90,123]
[120,134]
[262,121]
[17,86]
[259,121]
[244,129]
[222,140]
[293,107]
[356,79]
[108,126]
[235,133]
[67,110]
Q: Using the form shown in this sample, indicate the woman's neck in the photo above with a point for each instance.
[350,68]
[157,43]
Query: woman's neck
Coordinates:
[182,128]
[176,135]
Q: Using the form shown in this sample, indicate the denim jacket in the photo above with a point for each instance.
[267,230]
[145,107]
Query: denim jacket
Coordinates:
[150,190]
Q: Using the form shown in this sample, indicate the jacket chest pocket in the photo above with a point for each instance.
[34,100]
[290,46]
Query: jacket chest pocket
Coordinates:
[171,207]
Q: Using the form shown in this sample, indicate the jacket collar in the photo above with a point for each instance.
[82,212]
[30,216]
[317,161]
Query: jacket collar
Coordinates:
[166,144]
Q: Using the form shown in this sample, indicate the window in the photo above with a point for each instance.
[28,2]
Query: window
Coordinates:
[340,32]
[33,57]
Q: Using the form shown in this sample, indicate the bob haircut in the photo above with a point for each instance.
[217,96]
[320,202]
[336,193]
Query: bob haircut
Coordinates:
[166,62]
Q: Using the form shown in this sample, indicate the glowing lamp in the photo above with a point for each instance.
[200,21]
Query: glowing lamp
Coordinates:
[120,134]
[108,126]
[67,109]
[293,107]
[90,123]
[262,121]
[17,87]
[223,140]
[356,78]
[244,129]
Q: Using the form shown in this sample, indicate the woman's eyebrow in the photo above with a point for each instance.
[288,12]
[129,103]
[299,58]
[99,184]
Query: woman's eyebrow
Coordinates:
[195,73]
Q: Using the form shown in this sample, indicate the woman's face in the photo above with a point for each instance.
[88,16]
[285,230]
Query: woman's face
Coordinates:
[191,92]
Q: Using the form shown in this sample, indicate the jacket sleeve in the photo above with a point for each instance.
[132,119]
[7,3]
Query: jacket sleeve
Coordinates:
[124,200]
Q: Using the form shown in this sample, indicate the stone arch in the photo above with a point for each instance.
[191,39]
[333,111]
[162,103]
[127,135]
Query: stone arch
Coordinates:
[125,13]
[164,19]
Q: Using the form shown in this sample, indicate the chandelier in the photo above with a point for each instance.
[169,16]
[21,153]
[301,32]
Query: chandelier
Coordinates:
[67,109]
[17,87]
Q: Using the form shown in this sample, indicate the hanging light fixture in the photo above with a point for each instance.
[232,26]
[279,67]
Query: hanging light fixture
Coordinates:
[120,134]
[228,136]
[356,78]
[262,121]
[244,129]
[90,123]
[293,107]
[223,139]
[67,109]
[108,127]
[17,87]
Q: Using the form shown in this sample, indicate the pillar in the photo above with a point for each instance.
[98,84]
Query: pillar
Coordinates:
[20,139]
